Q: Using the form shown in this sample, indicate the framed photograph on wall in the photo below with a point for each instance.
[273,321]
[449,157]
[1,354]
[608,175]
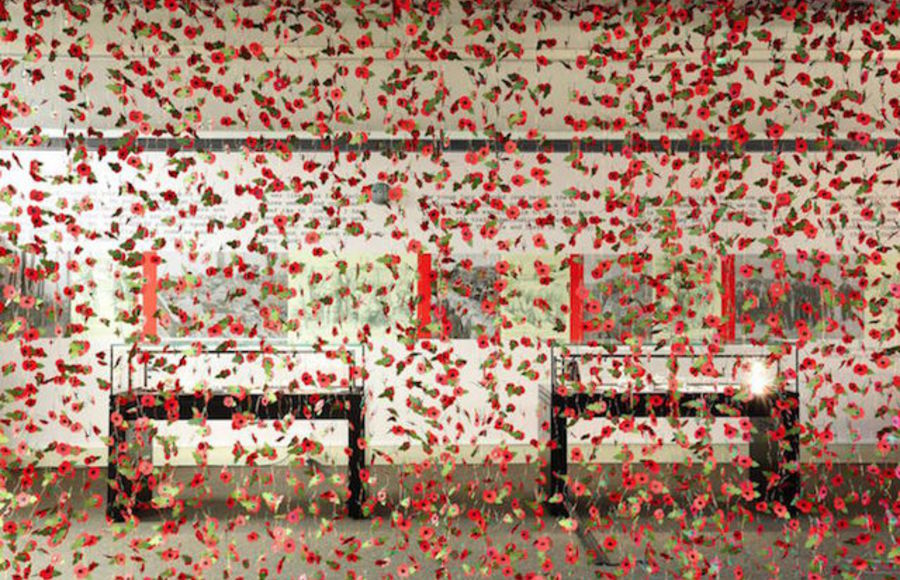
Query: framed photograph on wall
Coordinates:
[776,296]
[841,296]
[615,298]
[536,290]
[882,292]
[33,289]
[341,296]
[472,296]
[617,292]
[689,304]
[467,295]
[227,295]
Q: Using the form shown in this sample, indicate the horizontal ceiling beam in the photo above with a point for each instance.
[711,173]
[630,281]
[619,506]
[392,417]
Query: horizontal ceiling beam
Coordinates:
[554,145]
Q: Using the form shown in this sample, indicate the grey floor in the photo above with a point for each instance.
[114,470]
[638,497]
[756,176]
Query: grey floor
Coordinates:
[216,540]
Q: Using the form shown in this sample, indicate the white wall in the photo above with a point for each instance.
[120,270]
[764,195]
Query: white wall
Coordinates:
[472,410]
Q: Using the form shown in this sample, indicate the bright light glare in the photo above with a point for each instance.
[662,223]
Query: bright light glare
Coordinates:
[759,378]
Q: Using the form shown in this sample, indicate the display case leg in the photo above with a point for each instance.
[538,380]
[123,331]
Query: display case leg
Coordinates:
[356,432]
[557,469]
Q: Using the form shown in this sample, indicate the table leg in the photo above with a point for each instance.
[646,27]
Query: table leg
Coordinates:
[558,466]
[356,431]
[117,487]
[789,485]
[773,456]
[764,456]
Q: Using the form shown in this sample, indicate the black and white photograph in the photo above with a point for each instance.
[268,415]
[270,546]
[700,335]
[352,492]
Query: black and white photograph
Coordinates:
[772,296]
[617,293]
[34,291]
[347,293]
[467,297]
[221,294]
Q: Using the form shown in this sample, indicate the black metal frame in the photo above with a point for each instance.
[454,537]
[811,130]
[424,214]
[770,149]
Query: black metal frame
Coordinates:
[767,455]
[348,405]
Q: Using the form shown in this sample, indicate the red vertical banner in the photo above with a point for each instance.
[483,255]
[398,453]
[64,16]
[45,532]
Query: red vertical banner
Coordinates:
[576,298]
[148,293]
[729,308]
[423,314]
